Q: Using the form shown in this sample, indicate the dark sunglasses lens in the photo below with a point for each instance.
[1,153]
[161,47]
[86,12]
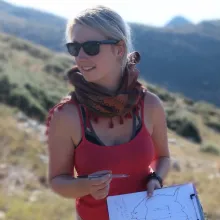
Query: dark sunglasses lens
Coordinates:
[91,48]
[73,49]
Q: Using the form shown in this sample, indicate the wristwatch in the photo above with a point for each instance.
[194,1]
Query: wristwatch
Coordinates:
[154,175]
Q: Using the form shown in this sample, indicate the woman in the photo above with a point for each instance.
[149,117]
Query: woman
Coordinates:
[110,124]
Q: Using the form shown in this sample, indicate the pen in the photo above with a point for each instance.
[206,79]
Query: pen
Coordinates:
[100,175]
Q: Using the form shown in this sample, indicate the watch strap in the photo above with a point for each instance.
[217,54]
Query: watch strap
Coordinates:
[154,175]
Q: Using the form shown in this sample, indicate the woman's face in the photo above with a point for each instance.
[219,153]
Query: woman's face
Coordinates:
[100,66]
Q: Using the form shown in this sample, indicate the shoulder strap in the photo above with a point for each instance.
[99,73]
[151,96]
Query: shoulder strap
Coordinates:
[134,127]
[142,107]
[83,121]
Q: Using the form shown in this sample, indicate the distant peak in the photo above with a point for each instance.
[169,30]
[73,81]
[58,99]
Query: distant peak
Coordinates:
[178,21]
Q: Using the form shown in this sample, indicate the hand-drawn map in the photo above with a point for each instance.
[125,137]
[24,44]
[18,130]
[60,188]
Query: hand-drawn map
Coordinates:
[170,203]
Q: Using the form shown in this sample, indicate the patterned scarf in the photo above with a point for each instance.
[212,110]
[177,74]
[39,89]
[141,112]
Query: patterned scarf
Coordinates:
[100,101]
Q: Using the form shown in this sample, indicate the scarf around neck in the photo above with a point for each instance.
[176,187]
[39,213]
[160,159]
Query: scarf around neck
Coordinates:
[99,101]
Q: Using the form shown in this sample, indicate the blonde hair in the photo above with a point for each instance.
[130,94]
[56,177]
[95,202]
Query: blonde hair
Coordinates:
[106,21]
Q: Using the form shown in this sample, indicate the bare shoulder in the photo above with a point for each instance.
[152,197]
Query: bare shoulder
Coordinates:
[153,105]
[68,111]
[62,116]
[153,109]
[152,100]
[65,121]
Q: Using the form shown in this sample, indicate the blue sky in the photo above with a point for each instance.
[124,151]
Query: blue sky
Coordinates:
[152,12]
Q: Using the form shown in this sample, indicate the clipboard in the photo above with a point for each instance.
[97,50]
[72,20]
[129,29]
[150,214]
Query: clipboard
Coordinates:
[172,202]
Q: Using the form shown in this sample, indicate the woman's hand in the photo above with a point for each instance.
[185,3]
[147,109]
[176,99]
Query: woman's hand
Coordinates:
[152,185]
[98,187]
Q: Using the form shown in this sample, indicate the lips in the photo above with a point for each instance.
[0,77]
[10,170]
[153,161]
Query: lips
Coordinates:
[87,68]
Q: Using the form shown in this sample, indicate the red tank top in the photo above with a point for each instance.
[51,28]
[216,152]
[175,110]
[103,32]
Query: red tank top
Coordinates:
[133,158]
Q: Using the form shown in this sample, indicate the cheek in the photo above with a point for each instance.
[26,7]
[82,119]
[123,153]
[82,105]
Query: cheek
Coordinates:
[104,65]
[106,60]
[106,56]
[99,61]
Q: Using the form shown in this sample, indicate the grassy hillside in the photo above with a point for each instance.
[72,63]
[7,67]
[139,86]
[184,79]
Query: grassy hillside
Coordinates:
[182,58]
[31,77]
[31,81]
[24,193]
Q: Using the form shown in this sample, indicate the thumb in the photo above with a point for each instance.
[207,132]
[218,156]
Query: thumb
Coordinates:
[100,180]
[150,189]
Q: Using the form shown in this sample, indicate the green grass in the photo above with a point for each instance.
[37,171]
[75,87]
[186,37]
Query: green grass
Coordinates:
[31,77]
[47,206]
[210,148]
[19,148]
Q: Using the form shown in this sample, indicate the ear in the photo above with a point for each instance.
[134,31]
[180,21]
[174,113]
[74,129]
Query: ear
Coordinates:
[120,49]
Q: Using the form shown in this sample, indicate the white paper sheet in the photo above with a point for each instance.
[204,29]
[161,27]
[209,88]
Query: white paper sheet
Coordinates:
[170,203]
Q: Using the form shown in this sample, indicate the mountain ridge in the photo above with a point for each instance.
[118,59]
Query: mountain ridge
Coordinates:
[178,21]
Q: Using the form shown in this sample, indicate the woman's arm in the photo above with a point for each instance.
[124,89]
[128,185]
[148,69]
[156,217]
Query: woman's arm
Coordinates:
[160,139]
[155,114]
[61,137]
[159,135]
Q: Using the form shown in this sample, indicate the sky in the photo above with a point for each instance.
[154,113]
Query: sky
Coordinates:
[151,12]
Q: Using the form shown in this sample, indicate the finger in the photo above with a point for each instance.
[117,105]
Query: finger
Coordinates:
[102,172]
[101,180]
[150,189]
[157,186]
[100,187]
[97,197]
[101,194]
[104,189]
[97,185]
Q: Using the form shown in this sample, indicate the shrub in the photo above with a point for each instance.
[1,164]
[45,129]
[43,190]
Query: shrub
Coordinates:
[183,124]
[205,109]
[35,51]
[162,93]
[212,122]
[210,148]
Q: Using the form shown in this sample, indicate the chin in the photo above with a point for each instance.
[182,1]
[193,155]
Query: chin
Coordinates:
[92,77]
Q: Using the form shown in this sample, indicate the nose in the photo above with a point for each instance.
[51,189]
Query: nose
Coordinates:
[81,55]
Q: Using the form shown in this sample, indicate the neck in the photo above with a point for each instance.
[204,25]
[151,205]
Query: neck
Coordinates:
[111,81]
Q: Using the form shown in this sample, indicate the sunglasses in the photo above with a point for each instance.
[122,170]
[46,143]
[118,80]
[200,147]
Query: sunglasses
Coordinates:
[91,48]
